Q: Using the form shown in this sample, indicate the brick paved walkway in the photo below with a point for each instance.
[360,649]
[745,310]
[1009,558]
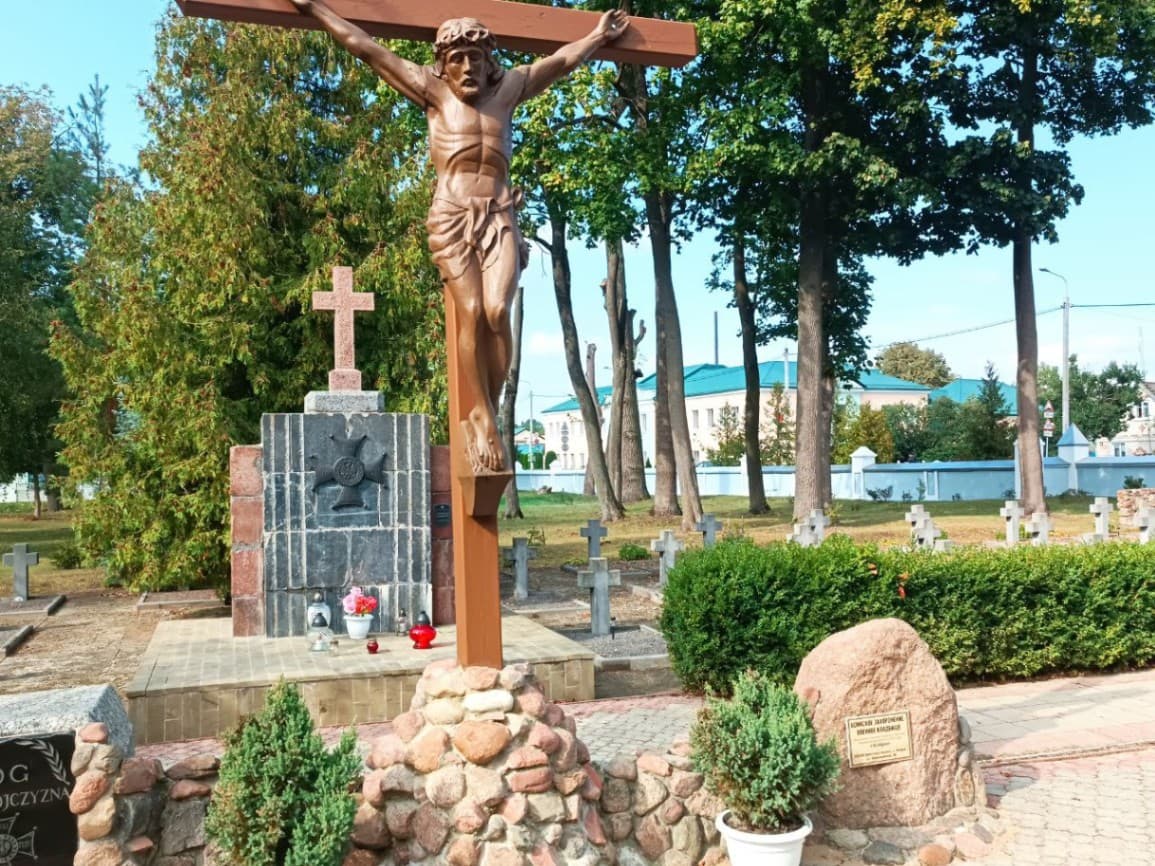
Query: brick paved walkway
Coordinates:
[1093,810]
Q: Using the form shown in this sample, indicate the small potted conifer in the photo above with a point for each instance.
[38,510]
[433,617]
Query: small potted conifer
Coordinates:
[759,755]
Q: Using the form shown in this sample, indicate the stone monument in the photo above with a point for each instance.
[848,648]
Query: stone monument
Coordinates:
[880,694]
[334,497]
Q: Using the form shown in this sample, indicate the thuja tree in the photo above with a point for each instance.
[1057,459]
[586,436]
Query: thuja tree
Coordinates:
[274,157]
[283,799]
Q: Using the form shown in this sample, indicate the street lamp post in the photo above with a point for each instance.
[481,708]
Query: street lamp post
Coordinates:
[1066,368]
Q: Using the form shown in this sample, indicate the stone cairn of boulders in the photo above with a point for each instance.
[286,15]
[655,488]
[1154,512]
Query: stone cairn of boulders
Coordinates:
[1130,501]
[131,811]
[482,769]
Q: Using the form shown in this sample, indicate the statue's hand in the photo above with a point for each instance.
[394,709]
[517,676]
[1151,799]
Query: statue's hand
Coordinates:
[612,25]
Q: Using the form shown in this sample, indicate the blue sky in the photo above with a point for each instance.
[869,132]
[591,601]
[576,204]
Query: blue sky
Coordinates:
[1102,250]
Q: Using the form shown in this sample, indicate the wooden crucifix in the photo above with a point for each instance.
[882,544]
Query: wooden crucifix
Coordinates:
[474,238]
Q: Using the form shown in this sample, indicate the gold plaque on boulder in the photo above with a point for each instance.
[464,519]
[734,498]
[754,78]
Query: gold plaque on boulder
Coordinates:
[882,738]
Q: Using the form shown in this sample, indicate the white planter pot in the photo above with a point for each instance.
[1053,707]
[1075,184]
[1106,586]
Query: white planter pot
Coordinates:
[358,625]
[763,849]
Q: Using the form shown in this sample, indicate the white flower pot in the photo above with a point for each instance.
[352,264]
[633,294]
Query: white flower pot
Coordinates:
[358,625]
[763,849]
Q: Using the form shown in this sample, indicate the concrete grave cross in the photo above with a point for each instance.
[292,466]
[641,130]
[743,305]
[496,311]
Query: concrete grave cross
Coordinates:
[925,532]
[668,546]
[344,301]
[1102,510]
[594,532]
[1144,517]
[1039,528]
[916,515]
[598,579]
[19,560]
[708,526]
[1012,513]
[802,534]
[817,523]
[520,555]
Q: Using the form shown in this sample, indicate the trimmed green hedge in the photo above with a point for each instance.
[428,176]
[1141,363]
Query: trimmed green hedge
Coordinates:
[986,613]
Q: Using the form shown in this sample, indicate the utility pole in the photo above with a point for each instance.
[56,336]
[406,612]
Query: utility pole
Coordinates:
[1066,367]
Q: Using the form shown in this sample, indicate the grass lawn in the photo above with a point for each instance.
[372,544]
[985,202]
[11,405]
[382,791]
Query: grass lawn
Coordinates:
[557,517]
[44,536]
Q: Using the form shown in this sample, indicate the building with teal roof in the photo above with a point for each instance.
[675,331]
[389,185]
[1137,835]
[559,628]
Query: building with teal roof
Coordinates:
[961,390]
[710,390]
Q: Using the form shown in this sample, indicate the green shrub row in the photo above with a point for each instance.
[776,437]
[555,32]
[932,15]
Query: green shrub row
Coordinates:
[986,613]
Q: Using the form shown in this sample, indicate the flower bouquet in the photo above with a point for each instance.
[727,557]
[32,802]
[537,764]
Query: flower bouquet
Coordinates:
[358,612]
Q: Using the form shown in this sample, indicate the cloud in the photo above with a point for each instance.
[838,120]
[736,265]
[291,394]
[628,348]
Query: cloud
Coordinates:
[541,343]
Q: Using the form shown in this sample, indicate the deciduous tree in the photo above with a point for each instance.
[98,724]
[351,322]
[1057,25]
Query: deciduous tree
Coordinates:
[915,364]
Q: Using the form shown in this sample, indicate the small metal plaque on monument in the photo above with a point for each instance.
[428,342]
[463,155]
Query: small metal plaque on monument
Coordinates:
[883,738]
[36,825]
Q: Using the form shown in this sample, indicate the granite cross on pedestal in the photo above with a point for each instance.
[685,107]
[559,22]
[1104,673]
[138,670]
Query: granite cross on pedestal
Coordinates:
[708,526]
[1039,528]
[668,546]
[19,560]
[1012,513]
[598,579]
[1144,517]
[520,555]
[595,532]
[344,301]
[916,515]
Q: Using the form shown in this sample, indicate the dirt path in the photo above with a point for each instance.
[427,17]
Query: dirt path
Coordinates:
[96,637]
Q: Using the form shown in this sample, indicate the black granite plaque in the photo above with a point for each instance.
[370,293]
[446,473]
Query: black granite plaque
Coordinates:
[36,826]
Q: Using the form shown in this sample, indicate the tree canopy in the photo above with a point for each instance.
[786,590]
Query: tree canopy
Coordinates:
[915,364]
[274,157]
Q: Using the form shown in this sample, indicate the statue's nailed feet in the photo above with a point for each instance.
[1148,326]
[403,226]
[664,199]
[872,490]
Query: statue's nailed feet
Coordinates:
[483,443]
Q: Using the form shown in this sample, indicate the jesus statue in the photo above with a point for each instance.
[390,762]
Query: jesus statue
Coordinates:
[469,102]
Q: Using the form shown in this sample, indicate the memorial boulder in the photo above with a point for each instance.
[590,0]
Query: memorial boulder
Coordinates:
[880,693]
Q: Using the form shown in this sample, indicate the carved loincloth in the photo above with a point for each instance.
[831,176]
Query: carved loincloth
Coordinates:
[461,232]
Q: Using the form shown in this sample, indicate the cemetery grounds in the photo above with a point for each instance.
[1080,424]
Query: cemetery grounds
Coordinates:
[100,634]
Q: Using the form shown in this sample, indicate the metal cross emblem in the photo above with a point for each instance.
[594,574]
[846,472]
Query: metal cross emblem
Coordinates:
[348,471]
[11,846]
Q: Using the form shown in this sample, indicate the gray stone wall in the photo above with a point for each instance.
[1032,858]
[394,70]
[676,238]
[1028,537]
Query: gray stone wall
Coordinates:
[346,501]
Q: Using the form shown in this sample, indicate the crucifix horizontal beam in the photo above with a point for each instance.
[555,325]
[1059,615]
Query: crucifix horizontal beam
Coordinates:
[517,26]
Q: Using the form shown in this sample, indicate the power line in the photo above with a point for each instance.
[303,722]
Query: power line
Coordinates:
[1100,306]
[970,330]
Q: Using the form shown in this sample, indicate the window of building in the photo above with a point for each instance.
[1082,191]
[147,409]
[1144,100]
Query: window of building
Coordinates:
[1120,449]
[1145,410]
[710,418]
[694,418]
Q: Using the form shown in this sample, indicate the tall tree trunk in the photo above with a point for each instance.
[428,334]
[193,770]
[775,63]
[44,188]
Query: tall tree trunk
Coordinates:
[591,383]
[633,454]
[625,455]
[670,348]
[1026,330]
[808,485]
[615,315]
[752,414]
[611,508]
[829,385]
[36,510]
[826,428]
[509,407]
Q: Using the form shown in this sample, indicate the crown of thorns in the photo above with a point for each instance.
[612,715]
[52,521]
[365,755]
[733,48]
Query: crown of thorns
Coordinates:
[462,31]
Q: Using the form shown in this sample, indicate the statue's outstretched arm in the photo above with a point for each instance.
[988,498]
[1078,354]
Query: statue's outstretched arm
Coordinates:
[408,79]
[541,74]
